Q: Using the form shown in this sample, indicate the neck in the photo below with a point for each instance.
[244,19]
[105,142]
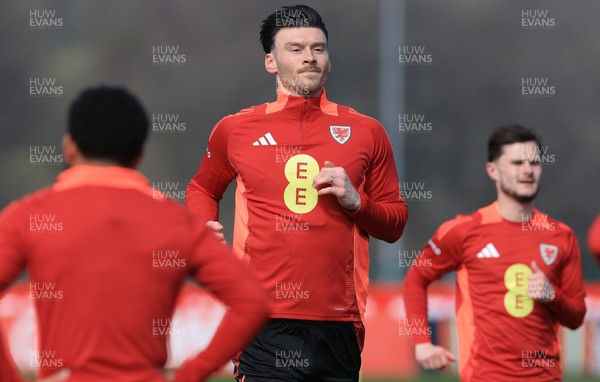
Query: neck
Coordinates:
[282,89]
[513,210]
[93,162]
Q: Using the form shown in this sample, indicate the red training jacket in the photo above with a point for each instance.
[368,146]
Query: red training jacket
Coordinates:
[503,334]
[106,261]
[310,254]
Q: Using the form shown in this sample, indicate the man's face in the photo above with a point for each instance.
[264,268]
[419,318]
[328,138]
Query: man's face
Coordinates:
[300,60]
[517,171]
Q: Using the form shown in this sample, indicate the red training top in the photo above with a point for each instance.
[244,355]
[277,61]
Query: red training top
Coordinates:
[106,261]
[503,334]
[310,254]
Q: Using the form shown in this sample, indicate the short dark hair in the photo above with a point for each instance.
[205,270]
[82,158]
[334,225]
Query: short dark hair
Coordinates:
[506,135]
[108,123]
[289,16]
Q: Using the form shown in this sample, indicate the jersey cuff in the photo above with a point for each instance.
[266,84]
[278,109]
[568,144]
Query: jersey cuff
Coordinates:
[420,339]
[363,202]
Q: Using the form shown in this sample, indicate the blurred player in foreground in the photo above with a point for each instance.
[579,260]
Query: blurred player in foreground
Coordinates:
[94,237]
[314,180]
[518,276]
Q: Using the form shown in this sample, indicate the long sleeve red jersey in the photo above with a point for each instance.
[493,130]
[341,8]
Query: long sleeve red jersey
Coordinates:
[106,261]
[503,334]
[310,254]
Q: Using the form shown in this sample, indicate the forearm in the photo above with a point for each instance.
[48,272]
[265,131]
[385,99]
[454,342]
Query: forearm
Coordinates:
[414,291]
[569,310]
[8,371]
[234,286]
[381,220]
[202,203]
[238,327]
[568,303]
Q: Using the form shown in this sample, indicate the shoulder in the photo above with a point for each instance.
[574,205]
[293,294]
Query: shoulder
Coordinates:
[457,226]
[451,234]
[358,117]
[367,128]
[231,121]
[25,205]
[31,199]
[564,227]
[462,224]
[553,224]
[244,114]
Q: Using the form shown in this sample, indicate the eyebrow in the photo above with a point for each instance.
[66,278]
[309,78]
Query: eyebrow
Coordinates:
[296,43]
[522,160]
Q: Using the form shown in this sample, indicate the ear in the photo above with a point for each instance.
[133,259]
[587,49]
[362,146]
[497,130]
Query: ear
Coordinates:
[135,163]
[70,150]
[270,64]
[492,170]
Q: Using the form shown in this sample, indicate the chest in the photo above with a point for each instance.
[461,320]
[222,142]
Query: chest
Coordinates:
[508,252]
[274,155]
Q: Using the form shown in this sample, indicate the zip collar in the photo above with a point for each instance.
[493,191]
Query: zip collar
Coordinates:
[292,102]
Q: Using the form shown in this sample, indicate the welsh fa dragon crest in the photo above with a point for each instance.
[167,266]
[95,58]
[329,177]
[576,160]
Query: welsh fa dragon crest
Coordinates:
[340,133]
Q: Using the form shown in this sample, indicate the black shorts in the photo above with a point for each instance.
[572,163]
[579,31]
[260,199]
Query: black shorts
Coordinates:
[299,350]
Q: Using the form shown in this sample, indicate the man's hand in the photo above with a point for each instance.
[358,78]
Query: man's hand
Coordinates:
[538,286]
[334,180]
[432,357]
[61,376]
[217,228]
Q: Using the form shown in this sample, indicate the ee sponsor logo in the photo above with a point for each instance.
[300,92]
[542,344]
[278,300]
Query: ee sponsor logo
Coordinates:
[299,195]
[516,301]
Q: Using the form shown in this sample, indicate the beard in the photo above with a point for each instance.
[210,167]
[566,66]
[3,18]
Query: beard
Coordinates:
[313,85]
[521,198]
[296,83]
[310,84]
[300,86]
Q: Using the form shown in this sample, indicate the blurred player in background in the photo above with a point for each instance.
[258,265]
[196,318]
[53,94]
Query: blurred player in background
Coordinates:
[93,236]
[518,276]
[314,180]
[593,239]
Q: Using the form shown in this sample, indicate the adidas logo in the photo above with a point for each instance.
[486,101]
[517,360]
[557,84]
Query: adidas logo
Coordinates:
[265,140]
[488,251]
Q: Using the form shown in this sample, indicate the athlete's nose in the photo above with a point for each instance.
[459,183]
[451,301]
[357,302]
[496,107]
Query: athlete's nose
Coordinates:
[527,167]
[309,56]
